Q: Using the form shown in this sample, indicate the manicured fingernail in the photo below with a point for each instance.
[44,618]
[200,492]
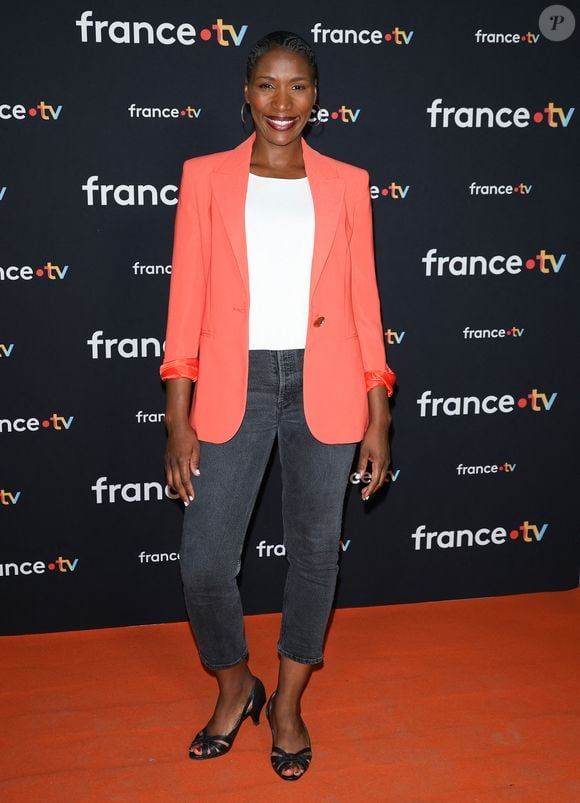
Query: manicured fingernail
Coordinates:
[196,472]
[191,498]
[186,504]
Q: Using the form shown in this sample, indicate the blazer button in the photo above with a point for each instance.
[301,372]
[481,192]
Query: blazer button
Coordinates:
[319,321]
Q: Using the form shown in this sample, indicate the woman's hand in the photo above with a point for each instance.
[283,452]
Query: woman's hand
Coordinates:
[182,459]
[182,451]
[375,444]
[374,447]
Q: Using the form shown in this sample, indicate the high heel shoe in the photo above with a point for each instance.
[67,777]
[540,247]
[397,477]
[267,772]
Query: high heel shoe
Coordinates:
[218,745]
[281,759]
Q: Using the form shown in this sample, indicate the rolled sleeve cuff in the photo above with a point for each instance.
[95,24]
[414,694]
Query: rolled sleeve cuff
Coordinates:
[375,378]
[180,369]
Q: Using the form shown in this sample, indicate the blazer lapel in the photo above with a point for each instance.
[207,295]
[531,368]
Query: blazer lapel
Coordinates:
[230,186]
[327,196]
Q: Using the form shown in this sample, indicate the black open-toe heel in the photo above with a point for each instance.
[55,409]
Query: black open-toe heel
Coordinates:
[218,745]
[281,759]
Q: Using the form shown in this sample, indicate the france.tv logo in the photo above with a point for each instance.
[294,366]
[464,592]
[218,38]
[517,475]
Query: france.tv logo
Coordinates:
[397,192]
[344,114]
[484,536]
[430,406]
[364,36]
[505,117]
[49,270]
[9,497]
[497,265]
[19,111]
[57,422]
[59,565]
[124,32]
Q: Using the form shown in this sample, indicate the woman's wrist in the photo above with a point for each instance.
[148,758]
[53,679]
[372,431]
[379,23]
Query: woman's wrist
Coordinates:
[176,422]
[380,425]
[379,411]
[178,403]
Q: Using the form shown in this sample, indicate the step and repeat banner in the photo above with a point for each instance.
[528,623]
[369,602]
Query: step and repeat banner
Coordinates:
[465,117]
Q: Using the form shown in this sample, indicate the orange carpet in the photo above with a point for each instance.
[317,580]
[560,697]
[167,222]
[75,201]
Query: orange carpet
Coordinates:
[471,700]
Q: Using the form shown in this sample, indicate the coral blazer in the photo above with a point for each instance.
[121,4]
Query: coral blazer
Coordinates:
[208,316]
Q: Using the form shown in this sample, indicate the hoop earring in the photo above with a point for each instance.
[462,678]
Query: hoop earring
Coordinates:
[317,118]
[242,112]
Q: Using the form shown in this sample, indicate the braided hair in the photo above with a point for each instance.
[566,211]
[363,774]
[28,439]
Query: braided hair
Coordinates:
[284,39]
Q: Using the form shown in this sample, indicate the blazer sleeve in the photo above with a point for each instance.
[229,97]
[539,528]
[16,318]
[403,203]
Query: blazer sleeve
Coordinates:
[365,295]
[187,286]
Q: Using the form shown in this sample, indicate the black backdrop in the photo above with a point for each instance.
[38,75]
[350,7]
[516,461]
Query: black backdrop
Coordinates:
[89,536]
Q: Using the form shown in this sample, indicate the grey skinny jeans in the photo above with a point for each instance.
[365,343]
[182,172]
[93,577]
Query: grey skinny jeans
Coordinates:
[314,483]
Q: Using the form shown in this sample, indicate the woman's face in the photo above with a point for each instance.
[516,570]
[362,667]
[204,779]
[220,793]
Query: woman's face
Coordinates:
[281,92]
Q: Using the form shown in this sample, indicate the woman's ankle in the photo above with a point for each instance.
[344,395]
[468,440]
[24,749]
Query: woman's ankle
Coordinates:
[286,705]
[234,681]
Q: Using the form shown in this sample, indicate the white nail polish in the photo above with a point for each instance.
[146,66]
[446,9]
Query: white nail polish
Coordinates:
[197,472]
[186,504]
[191,498]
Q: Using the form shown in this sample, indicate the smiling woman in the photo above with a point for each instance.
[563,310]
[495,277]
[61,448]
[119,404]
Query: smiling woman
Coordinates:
[281,89]
[274,313]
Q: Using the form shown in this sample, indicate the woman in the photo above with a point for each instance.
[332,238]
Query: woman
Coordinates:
[274,314]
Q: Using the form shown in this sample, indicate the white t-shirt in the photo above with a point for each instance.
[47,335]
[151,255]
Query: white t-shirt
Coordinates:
[279,219]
